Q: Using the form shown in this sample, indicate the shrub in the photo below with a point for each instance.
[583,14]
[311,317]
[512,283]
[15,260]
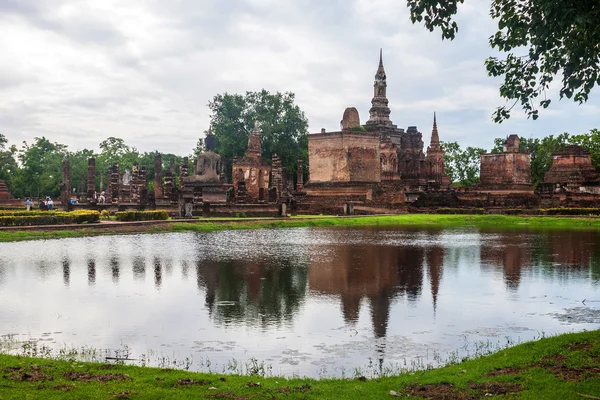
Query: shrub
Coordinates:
[448,210]
[48,218]
[358,128]
[142,215]
[572,211]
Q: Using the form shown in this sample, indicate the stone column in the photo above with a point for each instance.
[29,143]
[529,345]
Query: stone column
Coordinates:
[277,176]
[300,176]
[183,171]
[143,186]
[114,183]
[158,192]
[66,185]
[135,183]
[91,180]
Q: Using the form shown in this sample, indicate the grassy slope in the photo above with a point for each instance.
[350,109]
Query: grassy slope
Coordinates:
[561,367]
[423,220]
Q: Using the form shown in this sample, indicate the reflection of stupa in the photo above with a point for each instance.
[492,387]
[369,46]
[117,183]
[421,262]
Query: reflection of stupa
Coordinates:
[377,274]
[435,261]
[508,253]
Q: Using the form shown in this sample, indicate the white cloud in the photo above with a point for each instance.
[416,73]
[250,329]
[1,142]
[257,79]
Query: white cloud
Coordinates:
[78,72]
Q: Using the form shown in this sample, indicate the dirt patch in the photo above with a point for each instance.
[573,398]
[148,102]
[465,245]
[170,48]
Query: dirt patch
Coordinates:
[584,346]
[300,389]
[252,384]
[63,387]
[448,391]
[87,377]
[575,374]
[191,382]
[549,361]
[26,374]
[504,371]
[495,388]
[444,391]
[226,395]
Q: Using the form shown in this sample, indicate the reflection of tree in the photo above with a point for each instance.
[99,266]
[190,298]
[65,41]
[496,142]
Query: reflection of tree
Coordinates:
[252,292]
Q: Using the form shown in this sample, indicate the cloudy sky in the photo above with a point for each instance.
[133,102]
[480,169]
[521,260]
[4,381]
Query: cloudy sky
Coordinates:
[80,71]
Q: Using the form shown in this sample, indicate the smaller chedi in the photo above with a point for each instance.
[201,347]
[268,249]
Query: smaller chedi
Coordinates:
[4,193]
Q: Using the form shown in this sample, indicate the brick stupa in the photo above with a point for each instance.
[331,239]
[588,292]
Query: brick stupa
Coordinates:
[4,193]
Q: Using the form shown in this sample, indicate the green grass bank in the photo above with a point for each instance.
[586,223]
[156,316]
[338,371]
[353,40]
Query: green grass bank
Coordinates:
[215,224]
[561,367]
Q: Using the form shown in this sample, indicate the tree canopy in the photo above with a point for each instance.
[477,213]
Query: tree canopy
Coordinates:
[283,124]
[462,166]
[540,40]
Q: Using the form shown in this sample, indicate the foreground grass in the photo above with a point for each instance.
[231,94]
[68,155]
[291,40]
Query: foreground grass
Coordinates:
[562,367]
[414,220]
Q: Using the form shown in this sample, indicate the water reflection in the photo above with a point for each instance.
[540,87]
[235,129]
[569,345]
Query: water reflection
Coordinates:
[383,294]
[91,271]
[257,293]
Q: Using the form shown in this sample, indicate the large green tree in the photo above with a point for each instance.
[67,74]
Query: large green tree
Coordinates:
[41,171]
[462,166]
[284,126]
[539,39]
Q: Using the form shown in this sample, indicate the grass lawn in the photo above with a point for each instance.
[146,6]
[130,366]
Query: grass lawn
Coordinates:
[414,220]
[562,367]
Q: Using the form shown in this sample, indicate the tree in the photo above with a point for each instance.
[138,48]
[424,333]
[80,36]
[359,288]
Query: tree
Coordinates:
[284,126]
[462,166]
[8,166]
[41,171]
[541,39]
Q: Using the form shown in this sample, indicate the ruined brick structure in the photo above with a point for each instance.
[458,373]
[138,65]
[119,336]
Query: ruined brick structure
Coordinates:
[572,168]
[509,170]
[65,186]
[378,156]
[252,169]
[114,183]
[91,181]
[158,192]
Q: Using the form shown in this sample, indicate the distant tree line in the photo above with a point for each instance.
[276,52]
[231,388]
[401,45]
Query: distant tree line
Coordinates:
[462,165]
[35,169]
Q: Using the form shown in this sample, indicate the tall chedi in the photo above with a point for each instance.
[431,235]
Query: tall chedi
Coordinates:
[379,114]
[435,158]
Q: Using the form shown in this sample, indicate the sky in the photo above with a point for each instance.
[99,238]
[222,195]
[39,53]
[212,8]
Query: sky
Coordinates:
[80,71]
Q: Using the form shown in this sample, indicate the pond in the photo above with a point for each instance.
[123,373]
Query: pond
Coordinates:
[308,301]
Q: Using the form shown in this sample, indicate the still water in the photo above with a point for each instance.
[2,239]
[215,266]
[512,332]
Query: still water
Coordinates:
[306,301]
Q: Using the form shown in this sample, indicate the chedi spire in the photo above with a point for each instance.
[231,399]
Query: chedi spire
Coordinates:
[435,137]
[380,112]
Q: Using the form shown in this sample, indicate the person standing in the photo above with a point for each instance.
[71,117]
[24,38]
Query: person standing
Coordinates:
[28,204]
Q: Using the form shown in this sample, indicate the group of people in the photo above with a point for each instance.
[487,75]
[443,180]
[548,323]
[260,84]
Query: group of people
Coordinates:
[42,204]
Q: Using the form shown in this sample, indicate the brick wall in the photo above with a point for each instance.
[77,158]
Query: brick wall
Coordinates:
[344,157]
